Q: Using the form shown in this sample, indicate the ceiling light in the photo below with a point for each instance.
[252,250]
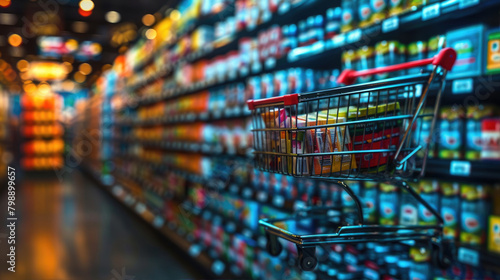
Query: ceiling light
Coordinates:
[8,19]
[112,17]
[68,67]
[79,77]
[151,34]
[175,15]
[29,87]
[85,68]
[15,40]
[80,26]
[44,88]
[148,19]
[86,5]
[5,3]
[68,85]
[23,65]
[84,13]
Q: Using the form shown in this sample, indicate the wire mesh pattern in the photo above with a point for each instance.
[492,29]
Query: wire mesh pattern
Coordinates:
[353,132]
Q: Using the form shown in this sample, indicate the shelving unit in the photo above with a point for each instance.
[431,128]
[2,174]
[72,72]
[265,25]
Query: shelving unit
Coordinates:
[148,176]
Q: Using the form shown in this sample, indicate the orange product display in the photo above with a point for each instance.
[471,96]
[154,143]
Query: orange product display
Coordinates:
[39,163]
[55,146]
[42,130]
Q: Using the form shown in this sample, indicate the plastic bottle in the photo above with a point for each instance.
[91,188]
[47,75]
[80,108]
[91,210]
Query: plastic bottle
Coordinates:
[450,209]
[409,208]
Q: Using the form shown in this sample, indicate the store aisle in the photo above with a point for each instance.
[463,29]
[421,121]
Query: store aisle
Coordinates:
[72,230]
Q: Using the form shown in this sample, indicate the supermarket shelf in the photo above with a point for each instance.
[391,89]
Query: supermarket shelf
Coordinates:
[296,13]
[475,171]
[217,268]
[428,16]
[478,257]
[236,112]
[191,147]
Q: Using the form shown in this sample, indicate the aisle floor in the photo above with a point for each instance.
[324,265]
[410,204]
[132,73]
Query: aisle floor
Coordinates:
[73,230]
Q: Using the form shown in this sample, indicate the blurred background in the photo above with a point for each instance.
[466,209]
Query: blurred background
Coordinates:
[127,147]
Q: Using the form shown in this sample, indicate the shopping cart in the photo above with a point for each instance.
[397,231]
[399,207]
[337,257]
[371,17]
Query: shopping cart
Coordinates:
[375,131]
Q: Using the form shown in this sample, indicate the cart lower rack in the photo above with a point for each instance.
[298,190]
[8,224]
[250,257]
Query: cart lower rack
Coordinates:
[375,131]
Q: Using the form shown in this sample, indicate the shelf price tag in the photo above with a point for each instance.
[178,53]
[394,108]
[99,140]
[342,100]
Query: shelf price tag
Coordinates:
[462,86]
[354,36]
[390,24]
[430,12]
[468,256]
[278,200]
[467,3]
[460,168]
[158,222]
[194,250]
[140,208]
[338,40]
[218,267]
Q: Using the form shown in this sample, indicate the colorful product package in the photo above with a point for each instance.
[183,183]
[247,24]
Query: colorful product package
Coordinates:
[389,204]
[467,42]
[493,52]
[474,209]
[409,207]
[389,53]
[494,234]
[474,133]
[451,127]
[365,61]
[450,209]
[416,51]
[349,19]
[428,192]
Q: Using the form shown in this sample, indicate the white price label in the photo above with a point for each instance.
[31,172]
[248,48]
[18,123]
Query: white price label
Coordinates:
[270,63]
[262,196]
[390,24]
[247,192]
[467,3]
[460,168]
[338,40]
[117,191]
[430,11]
[278,201]
[158,222]
[194,250]
[218,267]
[354,36]
[468,256]
[462,86]
[140,208]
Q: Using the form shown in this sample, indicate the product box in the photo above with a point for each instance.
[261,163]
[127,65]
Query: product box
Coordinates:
[467,42]
[494,234]
[493,52]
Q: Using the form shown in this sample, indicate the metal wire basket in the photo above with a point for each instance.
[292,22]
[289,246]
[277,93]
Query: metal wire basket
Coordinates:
[372,131]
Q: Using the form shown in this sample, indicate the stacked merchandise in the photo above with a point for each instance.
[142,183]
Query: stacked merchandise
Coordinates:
[43,145]
[4,128]
[179,139]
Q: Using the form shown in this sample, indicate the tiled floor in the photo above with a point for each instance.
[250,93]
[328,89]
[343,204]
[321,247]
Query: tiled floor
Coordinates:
[72,230]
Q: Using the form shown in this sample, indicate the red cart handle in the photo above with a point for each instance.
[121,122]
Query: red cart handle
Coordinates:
[288,100]
[445,58]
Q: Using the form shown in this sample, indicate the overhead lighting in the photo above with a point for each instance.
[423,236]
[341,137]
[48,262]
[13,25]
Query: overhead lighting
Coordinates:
[23,65]
[47,71]
[79,77]
[112,17]
[151,34]
[80,26]
[84,13]
[175,15]
[5,3]
[85,68]
[86,5]
[44,88]
[148,19]
[8,19]
[29,87]
[68,66]
[68,85]
[15,40]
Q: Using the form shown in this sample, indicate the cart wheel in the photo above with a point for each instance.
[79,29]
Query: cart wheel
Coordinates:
[308,263]
[273,245]
[307,258]
[442,255]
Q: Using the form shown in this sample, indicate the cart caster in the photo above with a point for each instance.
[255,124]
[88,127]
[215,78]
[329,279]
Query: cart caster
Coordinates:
[307,258]
[442,255]
[273,245]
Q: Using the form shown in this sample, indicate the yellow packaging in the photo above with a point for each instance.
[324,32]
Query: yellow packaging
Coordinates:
[494,234]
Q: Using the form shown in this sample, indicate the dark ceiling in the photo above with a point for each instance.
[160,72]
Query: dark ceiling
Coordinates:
[31,14]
